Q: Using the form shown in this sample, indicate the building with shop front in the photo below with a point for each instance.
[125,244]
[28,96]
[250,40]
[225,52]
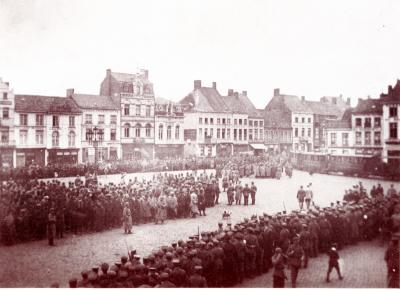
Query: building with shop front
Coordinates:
[135,96]
[100,112]
[47,130]
[168,120]
[216,125]
[7,139]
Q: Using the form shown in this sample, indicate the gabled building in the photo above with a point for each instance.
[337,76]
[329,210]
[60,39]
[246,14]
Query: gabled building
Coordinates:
[100,112]
[340,135]
[135,96]
[169,124]
[7,139]
[47,130]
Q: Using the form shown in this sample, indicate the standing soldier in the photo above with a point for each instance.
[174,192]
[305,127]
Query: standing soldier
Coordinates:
[253,191]
[246,192]
[295,254]
[51,227]
[278,260]
[308,196]
[127,218]
[193,204]
[300,197]
[333,262]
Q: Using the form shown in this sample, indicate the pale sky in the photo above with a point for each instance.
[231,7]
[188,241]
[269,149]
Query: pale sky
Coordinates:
[310,48]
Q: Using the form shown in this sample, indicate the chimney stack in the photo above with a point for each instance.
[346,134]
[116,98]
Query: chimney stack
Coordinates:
[276,92]
[236,94]
[303,98]
[244,93]
[7,84]
[70,92]
[197,84]
[214,85]
[230,92]
[348,102]
[108,72]
[146,74]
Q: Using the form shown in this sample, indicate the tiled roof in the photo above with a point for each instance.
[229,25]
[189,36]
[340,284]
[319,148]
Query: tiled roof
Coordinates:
[344,123]
[369,106]
[45,104]
[277,119]
[205,100]
[163,101]
[325,109]
[94,102]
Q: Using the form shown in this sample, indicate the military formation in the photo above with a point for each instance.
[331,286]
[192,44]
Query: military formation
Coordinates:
[284,243]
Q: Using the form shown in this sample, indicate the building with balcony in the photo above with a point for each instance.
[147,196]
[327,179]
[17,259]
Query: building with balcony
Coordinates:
[135,96]
[391,124]
[168,120]
[366,122]
[103,113]
[46,130]
[7,139]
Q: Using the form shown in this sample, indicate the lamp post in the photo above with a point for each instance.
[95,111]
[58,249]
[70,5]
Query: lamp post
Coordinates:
[95,137]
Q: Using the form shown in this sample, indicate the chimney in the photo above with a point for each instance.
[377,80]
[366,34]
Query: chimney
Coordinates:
[197,84]
[348,102]
[108,72]
[236,94]
[230,93]
[70,92]
[390,91]
[276,92]
[145,73]
[303,98]
[7,84]
[244,93]
[214,85]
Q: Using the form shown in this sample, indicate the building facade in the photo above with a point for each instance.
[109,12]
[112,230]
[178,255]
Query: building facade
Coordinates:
[7,139]
[135,96]
[100,112]
[46,130]
[168,120]
[340,136]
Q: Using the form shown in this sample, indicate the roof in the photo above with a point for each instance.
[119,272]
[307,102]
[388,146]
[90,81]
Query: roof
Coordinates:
[277,119]
[163,101]
[129,78]
[94,102]
[393,95]
[205,100]
[369,106]
[45,104]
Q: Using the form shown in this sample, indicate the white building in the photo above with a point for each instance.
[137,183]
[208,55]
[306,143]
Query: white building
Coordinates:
[340,136]
[100,112]
[7,139]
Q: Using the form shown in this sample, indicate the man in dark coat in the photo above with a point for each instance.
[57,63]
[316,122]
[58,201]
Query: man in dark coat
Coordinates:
[295,254]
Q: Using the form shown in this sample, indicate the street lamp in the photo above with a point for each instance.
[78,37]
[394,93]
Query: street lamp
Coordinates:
[95,137]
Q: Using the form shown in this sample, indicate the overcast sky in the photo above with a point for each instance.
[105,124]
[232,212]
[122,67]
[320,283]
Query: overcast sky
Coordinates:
[310,48]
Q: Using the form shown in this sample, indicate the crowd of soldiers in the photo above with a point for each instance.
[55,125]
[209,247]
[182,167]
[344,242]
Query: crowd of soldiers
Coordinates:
[283,243]
[29,209]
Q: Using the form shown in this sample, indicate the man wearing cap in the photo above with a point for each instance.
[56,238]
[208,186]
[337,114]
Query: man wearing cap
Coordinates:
[197,280]
[305,243]
[73,283]
[301,194]
[333,262]
[295,254]
[246,193]
[165,283]
[127,218]
[51,227]
[278,260]
[308,196]
[178,275]
[253,191]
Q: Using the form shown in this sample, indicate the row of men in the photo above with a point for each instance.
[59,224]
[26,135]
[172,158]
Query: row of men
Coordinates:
[227,256]
[78,208]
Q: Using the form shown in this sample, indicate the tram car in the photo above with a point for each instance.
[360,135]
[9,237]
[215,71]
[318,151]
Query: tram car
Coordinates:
[349,165]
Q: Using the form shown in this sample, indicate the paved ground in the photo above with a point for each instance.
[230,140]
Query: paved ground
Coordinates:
[37,265]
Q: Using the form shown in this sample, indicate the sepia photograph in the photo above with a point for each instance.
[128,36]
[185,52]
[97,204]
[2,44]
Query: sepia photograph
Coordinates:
[199,144]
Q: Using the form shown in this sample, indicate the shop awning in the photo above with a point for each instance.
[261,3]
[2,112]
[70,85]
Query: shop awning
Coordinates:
[258,146]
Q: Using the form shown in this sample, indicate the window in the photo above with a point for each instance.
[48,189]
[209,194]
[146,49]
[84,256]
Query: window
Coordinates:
[205,120]
[377,138]
[302,120]
[296,132]
[228,134]
[6,113]
[205,133]
[218,121]
[358,122]
[234,134]
[177,132]
[296,119]
[126,110]
[101,119]
[137,113]
[160,132]
[71,139]
[333,139]
[169,129]
[345,139]
[309,132]
[212,121]
[392,111]
[223,121]
[240,121]
[200,120]
[5,137]
[223,133]
[358,138]
[39,137]
[302,132]
[256,134]
[393,130]
[218,133]
[88,118]
[261,123]
[251,134]
[228,121]
[148,111]
[309,120]
[250,122]
[55,139]
[244,134]
[200,132]
[23,119]
[126,130]
[240,134]
[5,96]
[23,137]
[71,121]
[235,121]
[148,131]
[367,123]
[245,121]
[367,138]
[113,135]
[377,122]
[211,132]
[255,123]
[137,130]
[113,119]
